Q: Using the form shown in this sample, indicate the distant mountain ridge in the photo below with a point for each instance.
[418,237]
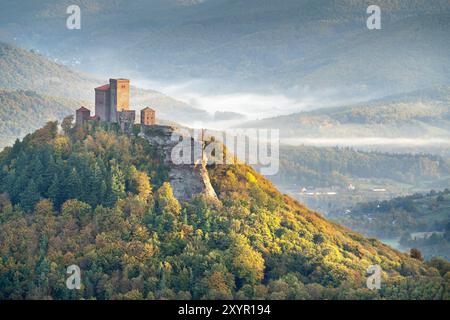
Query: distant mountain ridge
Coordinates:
[288,45]
[325,167]
[422,113]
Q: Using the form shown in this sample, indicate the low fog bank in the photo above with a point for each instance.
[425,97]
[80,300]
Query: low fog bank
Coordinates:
[210,96]
[374,141]
[438,146]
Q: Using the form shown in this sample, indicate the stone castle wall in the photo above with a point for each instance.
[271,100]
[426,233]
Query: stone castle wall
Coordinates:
[126,120]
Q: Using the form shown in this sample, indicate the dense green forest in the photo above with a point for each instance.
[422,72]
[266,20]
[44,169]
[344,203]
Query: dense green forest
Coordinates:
[307,166]
[102,200]
[419,220]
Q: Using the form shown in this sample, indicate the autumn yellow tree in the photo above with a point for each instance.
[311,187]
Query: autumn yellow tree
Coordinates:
[140,183]
[166,201]
[248,263]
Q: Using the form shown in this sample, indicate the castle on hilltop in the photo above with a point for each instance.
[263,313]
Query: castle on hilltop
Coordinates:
[112,105]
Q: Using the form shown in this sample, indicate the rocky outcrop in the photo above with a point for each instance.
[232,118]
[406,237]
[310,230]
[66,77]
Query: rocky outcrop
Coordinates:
[189,177]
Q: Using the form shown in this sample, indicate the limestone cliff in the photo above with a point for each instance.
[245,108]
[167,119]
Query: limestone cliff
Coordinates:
[188,179]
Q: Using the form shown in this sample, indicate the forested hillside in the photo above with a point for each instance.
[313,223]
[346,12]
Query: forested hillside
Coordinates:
[99,199]
[22,112]
[28,70]
[324,167]
[419,220]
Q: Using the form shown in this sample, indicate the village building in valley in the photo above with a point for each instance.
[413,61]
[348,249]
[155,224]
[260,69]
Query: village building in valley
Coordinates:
[112,105]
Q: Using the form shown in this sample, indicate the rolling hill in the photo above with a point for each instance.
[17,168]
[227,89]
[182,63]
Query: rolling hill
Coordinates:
[419,114]
[323,167]
[134,240]
[22,112]
[27,70]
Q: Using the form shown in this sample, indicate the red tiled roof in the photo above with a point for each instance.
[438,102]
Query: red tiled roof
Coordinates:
[83,109]
[103,88]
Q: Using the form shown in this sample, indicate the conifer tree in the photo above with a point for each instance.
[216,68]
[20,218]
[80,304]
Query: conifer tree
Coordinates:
[54,191]
[30,197]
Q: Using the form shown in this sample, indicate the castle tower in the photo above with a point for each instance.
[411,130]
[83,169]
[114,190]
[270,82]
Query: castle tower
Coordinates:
[82,115]
[103,103]
[112,98]
[120,97]
[148,117]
